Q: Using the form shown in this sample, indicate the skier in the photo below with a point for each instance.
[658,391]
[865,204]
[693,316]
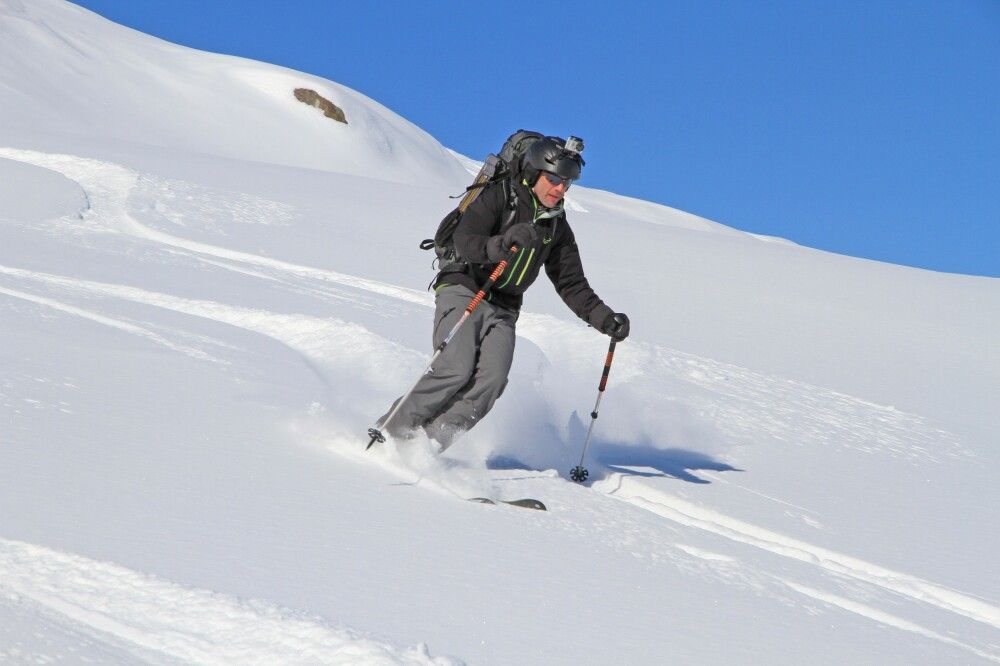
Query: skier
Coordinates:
[468,379]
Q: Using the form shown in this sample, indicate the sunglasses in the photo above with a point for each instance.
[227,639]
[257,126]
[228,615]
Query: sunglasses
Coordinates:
[554,180]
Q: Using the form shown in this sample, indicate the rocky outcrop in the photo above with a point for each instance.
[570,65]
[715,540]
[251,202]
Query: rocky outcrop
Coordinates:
[313,98]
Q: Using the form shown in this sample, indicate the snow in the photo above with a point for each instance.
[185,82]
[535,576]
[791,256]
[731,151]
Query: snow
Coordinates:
[794,459]
[168,95]
[190,625]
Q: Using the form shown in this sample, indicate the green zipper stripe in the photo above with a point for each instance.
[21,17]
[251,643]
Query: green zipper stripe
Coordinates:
[513,269]
[525,269]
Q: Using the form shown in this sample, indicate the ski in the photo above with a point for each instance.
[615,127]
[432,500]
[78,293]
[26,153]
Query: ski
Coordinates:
[526,503]
[486,173]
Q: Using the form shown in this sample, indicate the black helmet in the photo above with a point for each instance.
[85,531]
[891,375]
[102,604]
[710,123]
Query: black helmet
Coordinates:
[551,154]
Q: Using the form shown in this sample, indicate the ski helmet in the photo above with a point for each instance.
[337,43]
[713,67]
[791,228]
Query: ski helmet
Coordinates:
[552,154]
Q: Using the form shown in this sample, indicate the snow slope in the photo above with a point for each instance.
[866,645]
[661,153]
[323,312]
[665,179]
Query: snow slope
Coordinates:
[69,70]
[794,460]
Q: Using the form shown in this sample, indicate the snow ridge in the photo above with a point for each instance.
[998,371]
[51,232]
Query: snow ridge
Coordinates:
[690,514]
[193,625]
[109,186]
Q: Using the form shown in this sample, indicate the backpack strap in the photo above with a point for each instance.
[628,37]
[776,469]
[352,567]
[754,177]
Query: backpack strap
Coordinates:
[510,194]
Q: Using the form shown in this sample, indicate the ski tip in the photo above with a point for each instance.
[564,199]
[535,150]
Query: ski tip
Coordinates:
[526,503]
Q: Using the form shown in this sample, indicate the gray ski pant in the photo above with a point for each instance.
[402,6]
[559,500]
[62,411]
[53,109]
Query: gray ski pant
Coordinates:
[468,376]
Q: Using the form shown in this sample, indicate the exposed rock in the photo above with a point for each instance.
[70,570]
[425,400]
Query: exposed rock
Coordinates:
[313,98]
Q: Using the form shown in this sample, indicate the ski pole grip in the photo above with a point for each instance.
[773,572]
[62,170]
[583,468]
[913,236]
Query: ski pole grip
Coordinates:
[607,366]
[511,251]
[498,271]
[474,303]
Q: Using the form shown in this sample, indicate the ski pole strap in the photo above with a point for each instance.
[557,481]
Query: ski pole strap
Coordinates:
[607,366]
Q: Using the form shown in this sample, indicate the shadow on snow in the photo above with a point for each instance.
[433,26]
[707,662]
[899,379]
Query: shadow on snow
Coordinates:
[631,460]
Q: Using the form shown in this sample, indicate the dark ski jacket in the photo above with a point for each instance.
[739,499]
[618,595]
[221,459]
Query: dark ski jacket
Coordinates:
[556,250]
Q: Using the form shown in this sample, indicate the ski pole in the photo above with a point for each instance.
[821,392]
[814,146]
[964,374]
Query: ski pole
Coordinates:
[580,473]
[376,434]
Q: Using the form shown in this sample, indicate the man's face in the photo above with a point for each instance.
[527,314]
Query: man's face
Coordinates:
[547,193]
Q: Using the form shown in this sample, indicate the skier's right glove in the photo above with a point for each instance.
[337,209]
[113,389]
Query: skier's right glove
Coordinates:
[523,234]
[616,325]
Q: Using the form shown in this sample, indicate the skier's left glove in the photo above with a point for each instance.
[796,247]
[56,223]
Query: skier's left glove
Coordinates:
[616,325]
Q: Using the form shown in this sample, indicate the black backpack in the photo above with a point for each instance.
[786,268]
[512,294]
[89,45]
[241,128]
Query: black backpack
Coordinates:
[496,168]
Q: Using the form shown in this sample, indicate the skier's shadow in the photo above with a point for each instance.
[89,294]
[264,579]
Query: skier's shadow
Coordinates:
[650,461]
[642,458]
[632,460]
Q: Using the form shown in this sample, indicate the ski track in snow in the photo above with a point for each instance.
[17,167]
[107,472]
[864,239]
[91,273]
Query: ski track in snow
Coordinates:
[100,319]
[797,413]
[194,625]
[686,513]
[882,617]
[315,339]
[159,618]
[108,187]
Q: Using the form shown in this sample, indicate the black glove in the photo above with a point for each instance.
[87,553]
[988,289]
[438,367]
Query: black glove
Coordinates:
[616,325]
[523,234]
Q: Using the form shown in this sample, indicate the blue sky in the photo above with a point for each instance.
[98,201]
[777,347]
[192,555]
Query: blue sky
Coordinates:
[867,128]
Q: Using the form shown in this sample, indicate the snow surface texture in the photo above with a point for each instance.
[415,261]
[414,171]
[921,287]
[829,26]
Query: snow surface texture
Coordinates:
[794,460]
